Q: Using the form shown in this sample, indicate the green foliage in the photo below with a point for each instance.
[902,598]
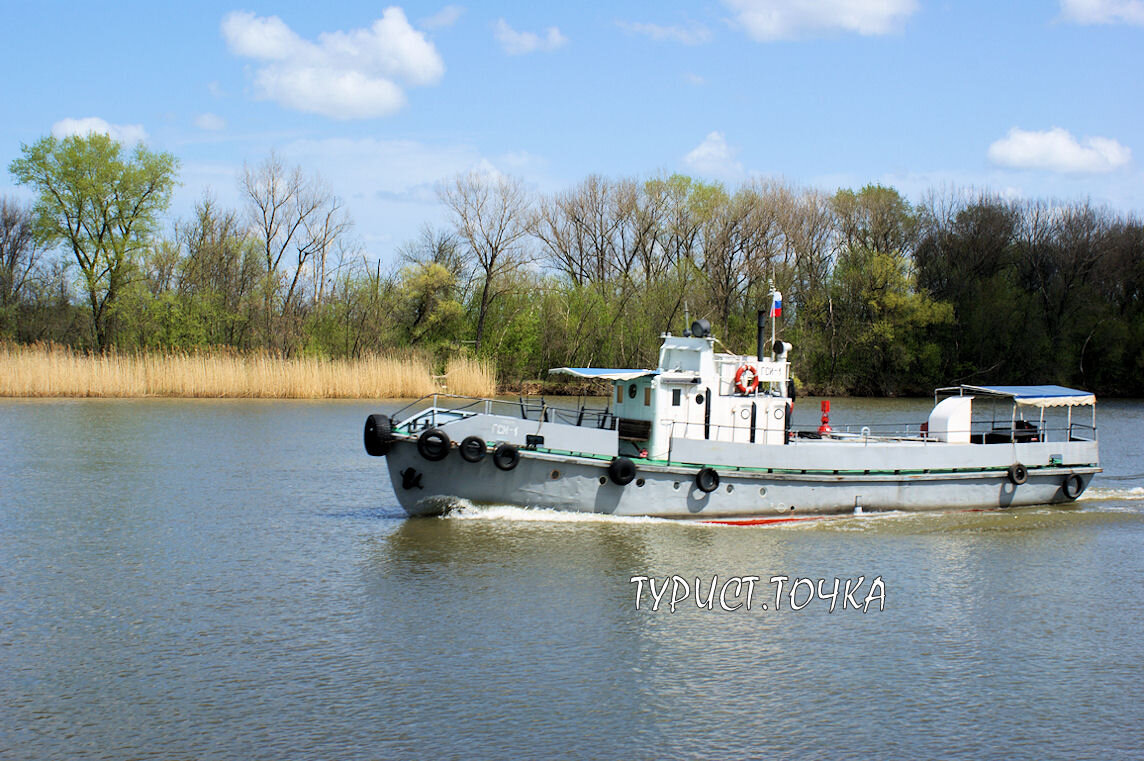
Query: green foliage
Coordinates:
[100,203]
[880,297]
[430,314]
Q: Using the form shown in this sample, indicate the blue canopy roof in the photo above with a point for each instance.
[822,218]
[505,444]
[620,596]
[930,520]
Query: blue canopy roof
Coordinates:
[1036,396]
[604,373]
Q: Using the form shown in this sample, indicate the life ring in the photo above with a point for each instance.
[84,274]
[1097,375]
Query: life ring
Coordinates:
[506,456]
[707,480]
[473,449]
[378,435]
[1073,486]
[622,471]
[434,444]
[1018,474]
[746,379]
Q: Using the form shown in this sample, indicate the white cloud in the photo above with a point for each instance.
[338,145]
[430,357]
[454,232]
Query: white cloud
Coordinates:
[445,17]
[714,158]
[520,43]
[345,75]
[767,20]
[688,35]
[128,134]
[1103,11]
[1056,150]
[210,122]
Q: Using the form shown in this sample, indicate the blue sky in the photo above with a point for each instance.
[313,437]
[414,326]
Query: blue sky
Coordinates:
[1024,98]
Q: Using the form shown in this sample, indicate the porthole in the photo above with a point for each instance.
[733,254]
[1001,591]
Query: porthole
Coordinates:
[603,480]
[632,391]
[762,491]
[730,488]
[640,482]
[699,398]
[554,475]
[675,485]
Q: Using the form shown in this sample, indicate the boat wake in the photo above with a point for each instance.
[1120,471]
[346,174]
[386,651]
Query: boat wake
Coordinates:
[1102,501]
[1099,494]
[467,511]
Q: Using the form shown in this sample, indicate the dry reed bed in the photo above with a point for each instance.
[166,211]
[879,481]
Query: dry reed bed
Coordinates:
[55,372]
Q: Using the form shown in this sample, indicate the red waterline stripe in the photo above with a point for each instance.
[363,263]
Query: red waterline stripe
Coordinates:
[766,521]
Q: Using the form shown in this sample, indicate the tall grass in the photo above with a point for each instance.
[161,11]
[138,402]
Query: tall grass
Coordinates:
[52,371]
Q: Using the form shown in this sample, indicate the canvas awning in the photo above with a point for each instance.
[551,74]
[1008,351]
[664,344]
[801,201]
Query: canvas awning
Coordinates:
[1032,396]
[604,373]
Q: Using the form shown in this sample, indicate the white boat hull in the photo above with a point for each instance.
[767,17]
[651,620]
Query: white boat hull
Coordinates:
[576,483]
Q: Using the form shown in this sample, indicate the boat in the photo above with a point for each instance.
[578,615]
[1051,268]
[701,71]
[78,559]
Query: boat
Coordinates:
[707,435]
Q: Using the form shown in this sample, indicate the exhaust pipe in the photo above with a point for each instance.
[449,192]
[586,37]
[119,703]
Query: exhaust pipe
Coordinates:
[761,339]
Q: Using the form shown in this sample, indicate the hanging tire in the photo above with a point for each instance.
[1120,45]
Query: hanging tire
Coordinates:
[434,445]
[506,456]
[622,471]
[1018,474]
[378,435]
[473,449]
[707,480]
[1073,486]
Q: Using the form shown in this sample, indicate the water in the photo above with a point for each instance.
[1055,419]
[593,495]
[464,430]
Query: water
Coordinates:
[233,579]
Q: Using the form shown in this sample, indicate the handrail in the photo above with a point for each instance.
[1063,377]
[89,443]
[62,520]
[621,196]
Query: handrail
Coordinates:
[585,416]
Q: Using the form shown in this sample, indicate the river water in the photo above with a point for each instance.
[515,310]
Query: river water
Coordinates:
[234,579]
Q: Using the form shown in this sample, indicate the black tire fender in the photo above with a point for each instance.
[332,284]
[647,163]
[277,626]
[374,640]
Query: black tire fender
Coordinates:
[473,449]
[707,480]
[1018,474]
[378,435]
[622,471]
[1073,486]
[434,445]
[506,456]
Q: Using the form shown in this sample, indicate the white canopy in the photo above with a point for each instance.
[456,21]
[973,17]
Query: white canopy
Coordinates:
[1033,396]
[604,373]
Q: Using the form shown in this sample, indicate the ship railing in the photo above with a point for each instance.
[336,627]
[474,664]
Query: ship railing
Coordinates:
[439,409]
[980,433]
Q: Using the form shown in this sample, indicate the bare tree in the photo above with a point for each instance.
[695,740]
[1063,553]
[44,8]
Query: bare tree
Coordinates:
[19,250]
[490,215]
[739,242]
[290,213]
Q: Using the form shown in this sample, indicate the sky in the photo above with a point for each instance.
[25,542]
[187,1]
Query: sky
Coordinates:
[1025,98]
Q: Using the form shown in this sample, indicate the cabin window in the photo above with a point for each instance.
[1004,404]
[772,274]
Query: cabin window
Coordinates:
[632,391]
[619,393]
[680,359]
[647,396]
[676,397]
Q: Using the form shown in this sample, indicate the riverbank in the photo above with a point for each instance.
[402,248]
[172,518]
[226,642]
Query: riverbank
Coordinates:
[57,372]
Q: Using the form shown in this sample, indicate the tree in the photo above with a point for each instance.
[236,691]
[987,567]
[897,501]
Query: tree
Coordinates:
[220,272]
[19,252]
[290,211]
[491,219]
[101,203]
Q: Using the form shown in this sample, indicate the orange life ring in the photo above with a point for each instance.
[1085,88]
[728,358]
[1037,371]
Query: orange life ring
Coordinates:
[746,379]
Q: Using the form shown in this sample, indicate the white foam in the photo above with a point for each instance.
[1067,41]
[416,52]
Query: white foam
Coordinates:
[1099,494]
[467,511]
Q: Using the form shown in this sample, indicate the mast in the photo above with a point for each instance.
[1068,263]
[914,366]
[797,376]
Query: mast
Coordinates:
[776,310]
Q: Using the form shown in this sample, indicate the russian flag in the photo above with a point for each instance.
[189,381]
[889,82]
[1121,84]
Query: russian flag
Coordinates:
[777,306]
